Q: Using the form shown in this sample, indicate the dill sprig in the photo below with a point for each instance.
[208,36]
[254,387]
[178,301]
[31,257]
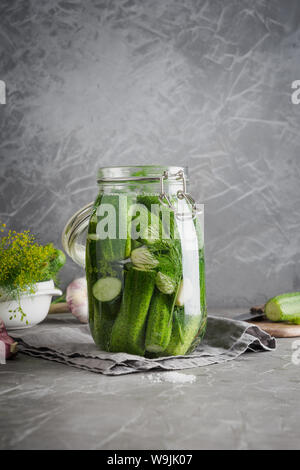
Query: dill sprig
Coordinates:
[23,262]
[169,260]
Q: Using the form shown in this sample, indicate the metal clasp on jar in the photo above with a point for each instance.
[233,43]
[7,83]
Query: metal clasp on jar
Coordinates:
[181,194]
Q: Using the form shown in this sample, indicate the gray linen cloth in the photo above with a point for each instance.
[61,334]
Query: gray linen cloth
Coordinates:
[61,338]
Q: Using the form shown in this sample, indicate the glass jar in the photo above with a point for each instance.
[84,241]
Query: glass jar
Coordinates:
[144,261]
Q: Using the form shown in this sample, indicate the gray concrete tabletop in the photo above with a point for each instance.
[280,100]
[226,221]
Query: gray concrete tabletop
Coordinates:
[247,403]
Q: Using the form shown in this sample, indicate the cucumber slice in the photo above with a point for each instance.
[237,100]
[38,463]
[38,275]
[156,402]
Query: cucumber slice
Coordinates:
[284,307]
[107,289]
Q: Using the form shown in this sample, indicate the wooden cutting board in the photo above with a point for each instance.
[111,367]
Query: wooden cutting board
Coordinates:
[278,330]
[60,307]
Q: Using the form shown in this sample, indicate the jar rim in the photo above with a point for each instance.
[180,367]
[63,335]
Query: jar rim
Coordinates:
[138,172]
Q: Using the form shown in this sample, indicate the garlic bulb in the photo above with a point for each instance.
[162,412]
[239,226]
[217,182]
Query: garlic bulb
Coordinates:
[77,300]
[8,346]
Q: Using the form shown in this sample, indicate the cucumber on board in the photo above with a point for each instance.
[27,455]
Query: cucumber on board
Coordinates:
[128,332]
[284,307]
[107,289]
[159,324]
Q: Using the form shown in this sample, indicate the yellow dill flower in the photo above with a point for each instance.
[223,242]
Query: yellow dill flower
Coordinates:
[23,262]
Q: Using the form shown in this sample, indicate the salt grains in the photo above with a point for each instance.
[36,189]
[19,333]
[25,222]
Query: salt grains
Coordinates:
[171,377]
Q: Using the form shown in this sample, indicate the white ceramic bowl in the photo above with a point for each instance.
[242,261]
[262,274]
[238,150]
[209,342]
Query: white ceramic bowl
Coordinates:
[36,307]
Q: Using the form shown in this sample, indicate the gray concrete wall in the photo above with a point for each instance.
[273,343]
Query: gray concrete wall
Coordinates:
[200,83]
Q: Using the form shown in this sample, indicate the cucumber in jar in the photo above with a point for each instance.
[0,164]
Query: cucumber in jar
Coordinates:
[107,289]
[202,282]
[128,332]
[111,232]
[105,299]
[105,314]
[159,324]
[184,332]
[147,228]
[165,215]
[91,267]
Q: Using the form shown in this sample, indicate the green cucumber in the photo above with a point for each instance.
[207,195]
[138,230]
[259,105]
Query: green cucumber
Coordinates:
[89,278]
[166,215]
[114,247]
[202,281]
[93,223]
[104,317]
[92,246]
[127,246]
[159,325]
[128,333]
[200,238]
[284,307]
[184,331]
[200,333]
[199,233]
[147,228]
[107,289]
